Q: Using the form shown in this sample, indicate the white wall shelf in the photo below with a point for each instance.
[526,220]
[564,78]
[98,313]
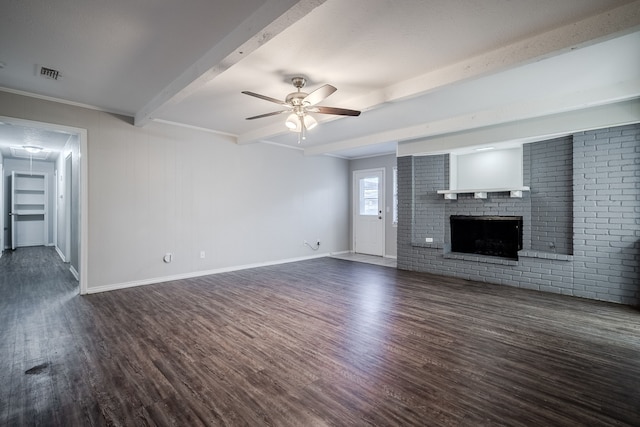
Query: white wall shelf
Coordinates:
[29,209]
[482,193]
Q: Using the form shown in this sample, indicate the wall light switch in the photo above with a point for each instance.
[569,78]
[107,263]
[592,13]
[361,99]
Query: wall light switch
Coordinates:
[202,254]
[428,239]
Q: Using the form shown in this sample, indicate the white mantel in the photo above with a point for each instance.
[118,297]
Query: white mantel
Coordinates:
[481,193]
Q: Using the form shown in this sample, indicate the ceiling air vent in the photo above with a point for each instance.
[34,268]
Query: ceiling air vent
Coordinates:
[50,73]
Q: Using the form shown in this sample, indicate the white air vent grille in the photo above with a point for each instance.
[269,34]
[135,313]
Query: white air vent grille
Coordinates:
[50,73]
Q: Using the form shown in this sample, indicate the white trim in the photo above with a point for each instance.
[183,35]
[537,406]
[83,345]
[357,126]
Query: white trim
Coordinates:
[74,272]
[55,208]
[60,254]
[61,101]
[191,275]
[340,253]
[391,256]
[83,158]
[278,144]
[199,128]
[68,159]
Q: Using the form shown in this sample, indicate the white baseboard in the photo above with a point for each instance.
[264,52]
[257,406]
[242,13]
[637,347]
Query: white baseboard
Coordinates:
[352,252]
[74,272]
[340,253]
[156,280]
[60,254]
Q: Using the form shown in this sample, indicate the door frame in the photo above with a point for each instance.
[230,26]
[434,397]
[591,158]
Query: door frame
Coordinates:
[83,214]
[2,209]
[355,204]
[67,176]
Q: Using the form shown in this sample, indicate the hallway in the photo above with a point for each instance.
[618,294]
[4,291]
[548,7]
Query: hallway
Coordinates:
[39,344]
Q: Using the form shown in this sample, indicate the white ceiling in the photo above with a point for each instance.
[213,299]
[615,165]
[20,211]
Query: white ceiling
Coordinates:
[414,67]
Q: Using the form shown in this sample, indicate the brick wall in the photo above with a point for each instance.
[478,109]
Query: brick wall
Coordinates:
[585,199]
[429,212]
[551,165]
[606,209]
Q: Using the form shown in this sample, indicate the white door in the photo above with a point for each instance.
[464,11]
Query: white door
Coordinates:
[368,218]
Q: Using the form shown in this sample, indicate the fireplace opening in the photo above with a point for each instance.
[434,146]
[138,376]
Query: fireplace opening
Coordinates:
[499,236]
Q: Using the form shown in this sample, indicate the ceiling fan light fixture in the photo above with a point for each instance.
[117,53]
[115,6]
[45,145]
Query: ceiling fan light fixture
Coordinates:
[33,149]
[292,122]
[310,122]
[299,104]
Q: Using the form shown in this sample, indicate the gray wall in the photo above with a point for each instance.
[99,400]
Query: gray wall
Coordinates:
[602,258]
[387,163]
[163,188]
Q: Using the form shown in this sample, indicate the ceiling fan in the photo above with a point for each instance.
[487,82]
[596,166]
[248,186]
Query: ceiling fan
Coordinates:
[299,104]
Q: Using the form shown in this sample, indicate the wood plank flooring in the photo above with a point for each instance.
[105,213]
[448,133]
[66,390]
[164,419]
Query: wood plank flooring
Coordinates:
[325,342]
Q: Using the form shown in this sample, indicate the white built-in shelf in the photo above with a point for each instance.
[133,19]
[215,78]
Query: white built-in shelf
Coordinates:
[482,193]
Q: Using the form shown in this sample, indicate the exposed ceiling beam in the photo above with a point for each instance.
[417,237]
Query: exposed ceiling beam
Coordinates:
[612,23]
[534,129]
[270,19]
[623,91]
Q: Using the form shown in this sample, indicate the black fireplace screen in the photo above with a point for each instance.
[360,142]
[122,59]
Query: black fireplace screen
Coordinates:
[499,236]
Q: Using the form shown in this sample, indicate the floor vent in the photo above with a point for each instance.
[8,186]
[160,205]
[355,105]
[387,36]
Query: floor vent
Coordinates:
[50,73]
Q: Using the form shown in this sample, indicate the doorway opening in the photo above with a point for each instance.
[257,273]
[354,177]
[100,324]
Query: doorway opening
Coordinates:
[44,170]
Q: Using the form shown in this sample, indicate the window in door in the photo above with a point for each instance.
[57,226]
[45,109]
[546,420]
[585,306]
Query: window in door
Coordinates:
[369,198]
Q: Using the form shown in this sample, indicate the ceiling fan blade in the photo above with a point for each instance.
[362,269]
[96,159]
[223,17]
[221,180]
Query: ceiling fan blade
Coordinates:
[334,110]
[266,98]
[275,113]
[318,95]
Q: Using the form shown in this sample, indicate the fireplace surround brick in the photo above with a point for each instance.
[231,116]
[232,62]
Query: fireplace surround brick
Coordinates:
[585,198]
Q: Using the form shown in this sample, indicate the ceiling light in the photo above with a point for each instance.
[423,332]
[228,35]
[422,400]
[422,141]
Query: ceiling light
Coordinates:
[292,122]
[484,148]
[310,122]
[33,149]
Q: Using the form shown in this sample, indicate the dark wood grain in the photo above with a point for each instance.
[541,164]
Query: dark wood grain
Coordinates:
[314,343]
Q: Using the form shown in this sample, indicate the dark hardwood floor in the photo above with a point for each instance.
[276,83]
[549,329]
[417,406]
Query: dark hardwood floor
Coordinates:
[314,343]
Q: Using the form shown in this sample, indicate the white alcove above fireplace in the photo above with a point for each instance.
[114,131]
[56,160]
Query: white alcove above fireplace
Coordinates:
[485,171]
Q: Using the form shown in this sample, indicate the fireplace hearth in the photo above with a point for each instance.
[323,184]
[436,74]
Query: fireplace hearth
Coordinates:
[499,236]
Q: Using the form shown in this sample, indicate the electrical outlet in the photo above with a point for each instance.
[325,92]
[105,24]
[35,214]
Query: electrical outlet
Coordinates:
[428,239]
[202,254]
